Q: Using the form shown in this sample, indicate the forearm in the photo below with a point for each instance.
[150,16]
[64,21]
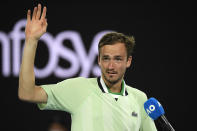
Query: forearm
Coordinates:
[27,76]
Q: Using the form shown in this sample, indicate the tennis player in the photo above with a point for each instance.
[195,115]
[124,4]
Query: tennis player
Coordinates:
[105,103]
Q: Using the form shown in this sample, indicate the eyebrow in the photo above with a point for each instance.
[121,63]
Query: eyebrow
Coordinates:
[105,56]
[117,56]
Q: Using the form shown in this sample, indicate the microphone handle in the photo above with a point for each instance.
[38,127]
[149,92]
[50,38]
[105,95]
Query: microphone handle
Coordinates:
[169,126]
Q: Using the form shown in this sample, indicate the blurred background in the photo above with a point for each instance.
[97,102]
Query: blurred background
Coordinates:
[163,61]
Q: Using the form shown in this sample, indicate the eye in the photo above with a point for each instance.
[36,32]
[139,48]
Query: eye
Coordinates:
[118,59]
[105,58]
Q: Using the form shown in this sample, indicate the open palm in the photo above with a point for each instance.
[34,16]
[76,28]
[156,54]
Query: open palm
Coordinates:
[37,25]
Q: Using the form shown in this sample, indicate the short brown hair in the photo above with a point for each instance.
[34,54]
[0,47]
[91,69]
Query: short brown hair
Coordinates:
[114,37]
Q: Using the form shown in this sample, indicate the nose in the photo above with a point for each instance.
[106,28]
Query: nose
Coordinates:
[111,65]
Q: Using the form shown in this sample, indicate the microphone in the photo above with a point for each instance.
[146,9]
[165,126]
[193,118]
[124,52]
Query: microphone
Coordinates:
[155,110]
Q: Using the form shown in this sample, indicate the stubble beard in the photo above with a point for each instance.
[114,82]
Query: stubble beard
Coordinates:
[111,81]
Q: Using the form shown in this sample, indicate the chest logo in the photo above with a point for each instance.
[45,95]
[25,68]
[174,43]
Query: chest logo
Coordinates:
[134,114]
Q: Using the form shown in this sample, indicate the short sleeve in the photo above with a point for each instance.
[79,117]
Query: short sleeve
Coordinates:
[147,124]
[66,95]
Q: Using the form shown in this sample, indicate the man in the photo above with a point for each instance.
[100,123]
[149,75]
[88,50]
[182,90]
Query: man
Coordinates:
[95,104]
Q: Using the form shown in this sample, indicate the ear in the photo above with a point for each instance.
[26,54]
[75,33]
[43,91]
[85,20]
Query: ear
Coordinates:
[129,60]
[99,60]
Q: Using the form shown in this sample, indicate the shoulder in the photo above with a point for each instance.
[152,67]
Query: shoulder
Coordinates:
[138,94]
[78,82]
[82,80]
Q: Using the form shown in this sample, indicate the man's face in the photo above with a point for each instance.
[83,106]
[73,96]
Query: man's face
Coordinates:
[113,62]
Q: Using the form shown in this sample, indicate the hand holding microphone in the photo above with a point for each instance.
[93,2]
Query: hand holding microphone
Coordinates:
[155,110]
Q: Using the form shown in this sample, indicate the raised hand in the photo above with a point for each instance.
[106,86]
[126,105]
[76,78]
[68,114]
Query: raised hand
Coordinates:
[37,25]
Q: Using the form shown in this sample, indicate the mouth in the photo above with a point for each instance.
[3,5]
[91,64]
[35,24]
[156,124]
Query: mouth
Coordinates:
[111,73]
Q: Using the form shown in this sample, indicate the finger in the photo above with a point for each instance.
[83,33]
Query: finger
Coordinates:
[44,13]
[34,13]
[45,24]
[29,15]
[38,12]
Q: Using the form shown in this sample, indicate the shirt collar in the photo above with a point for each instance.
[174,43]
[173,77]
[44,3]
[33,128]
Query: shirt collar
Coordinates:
[104,88]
